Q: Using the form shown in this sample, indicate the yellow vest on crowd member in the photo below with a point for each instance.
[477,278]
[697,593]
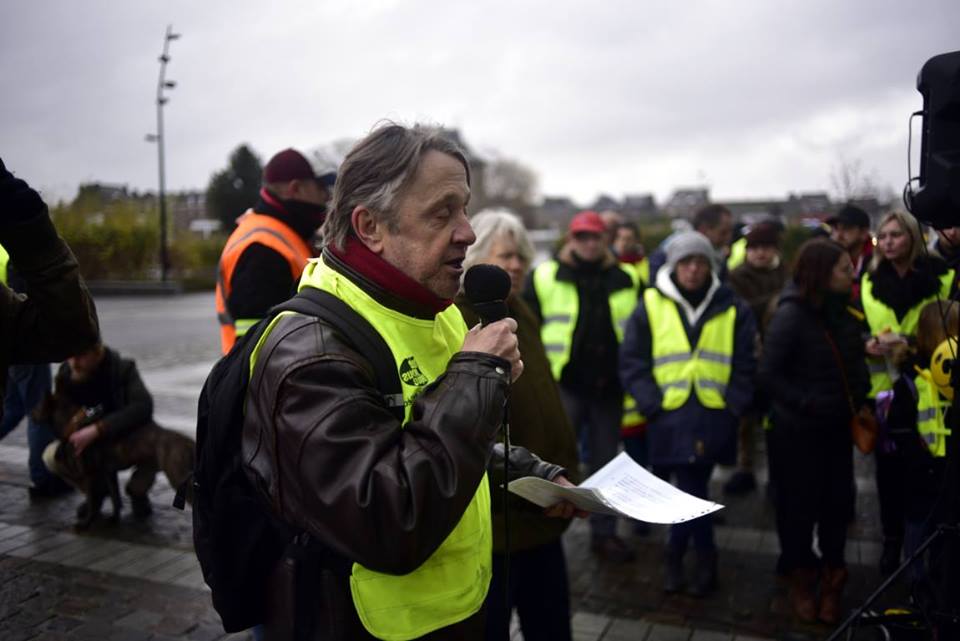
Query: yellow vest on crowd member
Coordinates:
[738,254]
[560,306]
[452,584]
[632,418]
[677,367]
[4,264]
[643,270]
[881,318]
[931,407]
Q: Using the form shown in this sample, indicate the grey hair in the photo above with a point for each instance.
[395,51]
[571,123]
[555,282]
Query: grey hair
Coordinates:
[377,171]
[491,224]
[910,226]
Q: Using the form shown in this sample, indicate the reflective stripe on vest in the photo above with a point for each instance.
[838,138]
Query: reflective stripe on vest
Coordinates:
[930,416]
[881,318]
[264,230]
[452,584]
[678,369]
[559,307]
[4,263]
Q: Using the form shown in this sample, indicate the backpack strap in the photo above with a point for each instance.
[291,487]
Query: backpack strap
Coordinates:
[361,335]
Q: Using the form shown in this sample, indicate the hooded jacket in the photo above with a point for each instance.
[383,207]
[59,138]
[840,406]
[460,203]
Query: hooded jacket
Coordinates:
[692,433]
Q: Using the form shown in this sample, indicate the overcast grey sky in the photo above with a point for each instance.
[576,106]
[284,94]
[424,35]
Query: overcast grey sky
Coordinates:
[753,98]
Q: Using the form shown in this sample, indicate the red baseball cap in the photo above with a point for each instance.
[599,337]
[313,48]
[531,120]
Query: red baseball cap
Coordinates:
[588,221]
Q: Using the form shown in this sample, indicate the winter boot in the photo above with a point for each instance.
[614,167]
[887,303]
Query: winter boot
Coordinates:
[705,574]
[802,584]
[831,592]
[673,570]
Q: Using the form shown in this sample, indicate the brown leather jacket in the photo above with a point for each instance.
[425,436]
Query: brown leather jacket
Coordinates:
[332,460]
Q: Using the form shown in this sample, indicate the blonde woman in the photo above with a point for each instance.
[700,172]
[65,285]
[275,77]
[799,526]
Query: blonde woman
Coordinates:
[901,280]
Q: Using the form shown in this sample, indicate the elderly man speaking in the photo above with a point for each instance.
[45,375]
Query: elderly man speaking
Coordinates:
[405,503]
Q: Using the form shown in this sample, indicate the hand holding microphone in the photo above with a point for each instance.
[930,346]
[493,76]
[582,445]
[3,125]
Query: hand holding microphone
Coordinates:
[487,288]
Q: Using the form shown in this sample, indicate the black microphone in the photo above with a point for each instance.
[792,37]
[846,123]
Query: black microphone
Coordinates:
[487,288]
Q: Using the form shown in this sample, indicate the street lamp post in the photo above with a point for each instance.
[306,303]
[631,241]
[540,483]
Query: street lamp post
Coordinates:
[163,83]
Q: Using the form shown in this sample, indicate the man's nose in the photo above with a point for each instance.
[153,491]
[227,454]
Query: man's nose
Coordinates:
[463,234]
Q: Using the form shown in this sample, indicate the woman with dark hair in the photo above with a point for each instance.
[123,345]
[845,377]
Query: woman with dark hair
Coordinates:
[900,281]
[814,372]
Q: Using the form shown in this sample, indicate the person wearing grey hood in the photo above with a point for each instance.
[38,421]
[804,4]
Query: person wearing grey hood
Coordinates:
[688,360]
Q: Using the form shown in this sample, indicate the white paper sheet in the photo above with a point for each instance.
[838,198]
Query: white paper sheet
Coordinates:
[623,488]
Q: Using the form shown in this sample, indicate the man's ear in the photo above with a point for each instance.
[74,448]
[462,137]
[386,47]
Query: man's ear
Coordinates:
[368,228]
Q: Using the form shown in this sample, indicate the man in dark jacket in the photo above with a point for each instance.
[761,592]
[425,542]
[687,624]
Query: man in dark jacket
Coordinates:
[264,256]
[58,316]
[688,360]
[404,502]
[758,281]
[582,298]
[850,228]
[110,387]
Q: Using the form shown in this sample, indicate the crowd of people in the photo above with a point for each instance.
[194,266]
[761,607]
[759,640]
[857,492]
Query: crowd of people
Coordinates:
[685,358]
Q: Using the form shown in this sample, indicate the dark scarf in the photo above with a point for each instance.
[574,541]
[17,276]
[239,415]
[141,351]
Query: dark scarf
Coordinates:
[303,218]
[921,281]
[696,296]
[371,266]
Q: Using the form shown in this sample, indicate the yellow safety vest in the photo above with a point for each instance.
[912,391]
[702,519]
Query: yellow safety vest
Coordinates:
[560,305]
[452,584]
[931,407]
[4,262]
[643,270]
[738,254]
[880,318]
[676,367]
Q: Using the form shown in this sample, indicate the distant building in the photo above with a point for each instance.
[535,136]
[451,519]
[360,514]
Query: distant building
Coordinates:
[639,206]
[808,206]
[556,212]
[752,211]
[605,203]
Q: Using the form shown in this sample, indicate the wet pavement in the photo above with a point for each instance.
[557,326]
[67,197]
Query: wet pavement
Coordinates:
[139,580]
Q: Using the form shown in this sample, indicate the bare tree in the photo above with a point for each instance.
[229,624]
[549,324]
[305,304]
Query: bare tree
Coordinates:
[851,181]
[510,184]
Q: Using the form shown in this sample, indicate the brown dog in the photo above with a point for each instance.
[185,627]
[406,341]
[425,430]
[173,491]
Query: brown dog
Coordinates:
[148,448]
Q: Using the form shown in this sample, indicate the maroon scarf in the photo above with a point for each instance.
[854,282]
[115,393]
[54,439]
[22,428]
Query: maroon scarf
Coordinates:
[358,257]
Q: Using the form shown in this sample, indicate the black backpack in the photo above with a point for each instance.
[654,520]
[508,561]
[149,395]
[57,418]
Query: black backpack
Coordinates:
[237,538]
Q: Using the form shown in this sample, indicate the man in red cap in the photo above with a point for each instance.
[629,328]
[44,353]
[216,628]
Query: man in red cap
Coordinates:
[583,298]
[263,258]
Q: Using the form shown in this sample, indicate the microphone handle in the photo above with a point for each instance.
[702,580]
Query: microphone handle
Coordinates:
[490,311]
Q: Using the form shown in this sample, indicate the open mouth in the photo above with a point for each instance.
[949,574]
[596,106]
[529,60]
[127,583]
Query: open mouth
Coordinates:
[456,263]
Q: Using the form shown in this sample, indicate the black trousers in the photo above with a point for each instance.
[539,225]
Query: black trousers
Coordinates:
[892,472]
[814,478]
[538,590]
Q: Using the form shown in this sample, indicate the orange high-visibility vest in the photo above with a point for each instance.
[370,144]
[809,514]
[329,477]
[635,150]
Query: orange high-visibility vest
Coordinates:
[265,230]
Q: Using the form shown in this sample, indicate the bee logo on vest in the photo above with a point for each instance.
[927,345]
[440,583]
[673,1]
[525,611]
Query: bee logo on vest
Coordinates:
[410,372]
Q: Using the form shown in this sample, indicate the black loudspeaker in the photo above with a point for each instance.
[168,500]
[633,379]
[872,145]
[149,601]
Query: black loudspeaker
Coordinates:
[936,201]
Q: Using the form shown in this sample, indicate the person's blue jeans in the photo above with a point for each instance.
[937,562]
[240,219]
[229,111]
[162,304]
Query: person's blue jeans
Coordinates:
[26,385]
[694,480]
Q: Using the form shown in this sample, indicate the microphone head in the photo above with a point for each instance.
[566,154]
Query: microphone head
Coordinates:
[484,283]
[487,287]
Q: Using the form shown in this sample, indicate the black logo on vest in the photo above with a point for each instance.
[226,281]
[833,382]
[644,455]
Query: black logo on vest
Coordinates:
[410,372]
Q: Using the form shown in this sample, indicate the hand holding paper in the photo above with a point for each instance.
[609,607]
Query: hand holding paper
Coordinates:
[622,488]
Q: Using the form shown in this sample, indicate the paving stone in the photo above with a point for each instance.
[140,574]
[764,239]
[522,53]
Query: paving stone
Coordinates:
[181,564]
[710,635]
[627,630]
[141,619]
[664,632]
[173,626]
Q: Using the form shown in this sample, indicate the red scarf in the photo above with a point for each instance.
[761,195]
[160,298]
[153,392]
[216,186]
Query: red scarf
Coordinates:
[358,257]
